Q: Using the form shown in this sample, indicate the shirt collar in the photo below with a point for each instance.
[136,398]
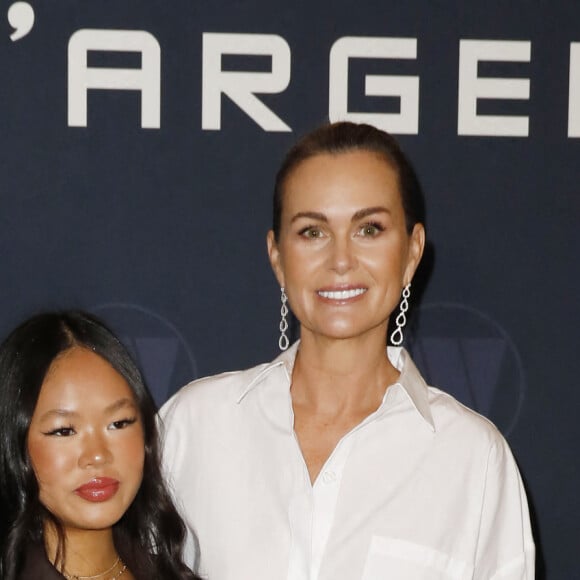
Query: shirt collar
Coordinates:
[410,379]
[412,383]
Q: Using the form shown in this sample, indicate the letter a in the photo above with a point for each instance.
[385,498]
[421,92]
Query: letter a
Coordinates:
[146,79]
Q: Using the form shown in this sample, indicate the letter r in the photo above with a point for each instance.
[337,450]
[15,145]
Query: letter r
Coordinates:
[241,87]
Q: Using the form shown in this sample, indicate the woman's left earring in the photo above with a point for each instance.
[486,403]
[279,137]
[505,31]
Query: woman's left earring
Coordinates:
[283,341]
[401,320]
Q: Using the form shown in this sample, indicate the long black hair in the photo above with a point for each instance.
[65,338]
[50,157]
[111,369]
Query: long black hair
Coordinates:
[150,535]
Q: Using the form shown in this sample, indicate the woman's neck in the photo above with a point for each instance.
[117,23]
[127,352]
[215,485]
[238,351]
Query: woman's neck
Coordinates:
[87,552]
[336,384]
[344,374]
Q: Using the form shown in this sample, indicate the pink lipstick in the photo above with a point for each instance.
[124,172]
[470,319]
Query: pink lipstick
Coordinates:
[98,489]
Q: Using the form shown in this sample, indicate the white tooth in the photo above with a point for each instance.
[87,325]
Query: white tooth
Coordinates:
[342,294]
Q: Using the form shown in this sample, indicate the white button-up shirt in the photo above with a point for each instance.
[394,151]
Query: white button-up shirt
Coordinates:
[422,489]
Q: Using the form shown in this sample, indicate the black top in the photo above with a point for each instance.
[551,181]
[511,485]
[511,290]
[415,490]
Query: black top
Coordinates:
[37,565]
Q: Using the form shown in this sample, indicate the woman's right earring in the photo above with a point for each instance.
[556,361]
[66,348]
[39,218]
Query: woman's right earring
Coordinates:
[401,320]
[283,341]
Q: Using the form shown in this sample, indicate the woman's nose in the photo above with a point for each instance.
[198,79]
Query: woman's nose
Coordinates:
[95,451]
[343,257]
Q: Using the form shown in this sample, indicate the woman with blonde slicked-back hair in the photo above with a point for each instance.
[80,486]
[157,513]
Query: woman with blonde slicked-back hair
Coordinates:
[336,461]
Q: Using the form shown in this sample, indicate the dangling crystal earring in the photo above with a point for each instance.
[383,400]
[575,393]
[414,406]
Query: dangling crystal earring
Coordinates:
[401,320]
[283,341]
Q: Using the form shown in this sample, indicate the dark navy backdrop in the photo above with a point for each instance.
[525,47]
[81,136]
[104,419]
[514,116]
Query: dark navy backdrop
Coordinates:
[161,230]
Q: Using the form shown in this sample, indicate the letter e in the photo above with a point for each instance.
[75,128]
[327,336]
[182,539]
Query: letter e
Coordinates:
[574,95]
[472,88]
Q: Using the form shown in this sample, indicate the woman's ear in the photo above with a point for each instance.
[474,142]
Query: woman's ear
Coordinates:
[416,247]
[274,255]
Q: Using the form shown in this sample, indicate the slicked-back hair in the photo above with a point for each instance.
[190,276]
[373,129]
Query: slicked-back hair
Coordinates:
[345,137]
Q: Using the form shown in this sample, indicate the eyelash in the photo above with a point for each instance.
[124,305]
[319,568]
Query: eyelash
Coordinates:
[125,422]
[305,231]
[59,431]
[68,430]
[378,226]
[311,228]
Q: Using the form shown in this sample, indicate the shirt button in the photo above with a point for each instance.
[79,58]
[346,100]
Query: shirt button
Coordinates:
[328,477]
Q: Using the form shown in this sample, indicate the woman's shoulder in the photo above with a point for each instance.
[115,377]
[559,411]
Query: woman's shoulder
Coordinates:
[454,417]
[37,566]
[222,388]
[449,416]
[145,565]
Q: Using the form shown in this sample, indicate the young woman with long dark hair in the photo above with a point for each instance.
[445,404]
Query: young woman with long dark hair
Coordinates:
[81,493]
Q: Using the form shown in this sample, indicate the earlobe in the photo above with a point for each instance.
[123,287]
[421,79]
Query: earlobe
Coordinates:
[274,256]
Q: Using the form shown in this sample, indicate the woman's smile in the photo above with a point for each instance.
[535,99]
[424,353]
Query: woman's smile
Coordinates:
[342,295]
[344,242]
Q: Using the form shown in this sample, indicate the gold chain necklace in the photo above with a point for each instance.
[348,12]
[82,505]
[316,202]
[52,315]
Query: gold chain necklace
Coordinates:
[101,574]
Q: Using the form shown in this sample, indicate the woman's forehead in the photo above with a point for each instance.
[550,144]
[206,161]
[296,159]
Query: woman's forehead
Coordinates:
[353,179]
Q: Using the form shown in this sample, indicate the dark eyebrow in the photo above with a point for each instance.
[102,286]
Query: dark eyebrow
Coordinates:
[58,413]
[313,215]
[363,213]
[360,214]
[120,404]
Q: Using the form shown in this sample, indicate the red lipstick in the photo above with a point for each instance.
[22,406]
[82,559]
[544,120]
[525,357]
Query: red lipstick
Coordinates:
[98,489]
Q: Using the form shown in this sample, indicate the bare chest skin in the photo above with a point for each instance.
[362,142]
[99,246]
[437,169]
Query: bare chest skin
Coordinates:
[318,435]
[319,432]
[321,422]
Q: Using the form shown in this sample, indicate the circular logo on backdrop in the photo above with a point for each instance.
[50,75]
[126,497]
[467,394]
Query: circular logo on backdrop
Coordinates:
[160,350]
[464,352]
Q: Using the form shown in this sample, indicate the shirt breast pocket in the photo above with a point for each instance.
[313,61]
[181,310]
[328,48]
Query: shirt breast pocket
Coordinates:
[394,559]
